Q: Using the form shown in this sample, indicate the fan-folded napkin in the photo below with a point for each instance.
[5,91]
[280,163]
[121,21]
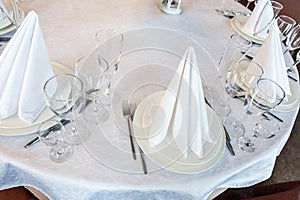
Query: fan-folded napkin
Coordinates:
[24,68]
[182,111]
[270,57]
[262,15]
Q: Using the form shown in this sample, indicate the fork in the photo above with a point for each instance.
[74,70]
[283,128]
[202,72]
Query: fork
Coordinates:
[132,108]
[127,114]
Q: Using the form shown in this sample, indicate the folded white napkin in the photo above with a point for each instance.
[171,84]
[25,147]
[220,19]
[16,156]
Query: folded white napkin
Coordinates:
[270,57]
[24,68]
[261,11]
[182,110]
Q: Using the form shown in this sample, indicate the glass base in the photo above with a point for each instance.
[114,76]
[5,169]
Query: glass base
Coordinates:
[234,127]
[96,114]
[266,129]
[246,144]
[61,152]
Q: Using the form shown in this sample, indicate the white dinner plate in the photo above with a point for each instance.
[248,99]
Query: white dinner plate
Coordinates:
[292,101]
[6,26]
[14,126]
[237,24]
[166,154]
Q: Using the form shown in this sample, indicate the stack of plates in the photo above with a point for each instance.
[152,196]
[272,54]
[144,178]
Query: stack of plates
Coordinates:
[166,154]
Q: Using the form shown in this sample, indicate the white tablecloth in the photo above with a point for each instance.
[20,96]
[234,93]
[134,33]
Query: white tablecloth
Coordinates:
[68,28]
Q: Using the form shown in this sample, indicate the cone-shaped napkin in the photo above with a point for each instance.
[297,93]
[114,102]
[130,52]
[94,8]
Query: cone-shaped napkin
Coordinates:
[24,68]
[262,14]
[182,110]
[270,58]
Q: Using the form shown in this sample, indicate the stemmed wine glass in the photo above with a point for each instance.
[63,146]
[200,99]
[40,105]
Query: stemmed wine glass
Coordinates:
[296,62]
[55,138]
[14,17]
[65,97]
[263,97]
[266,18]
[293,39]
[109,45]
[285,25]
[91,70]
[234,51]
[238,82]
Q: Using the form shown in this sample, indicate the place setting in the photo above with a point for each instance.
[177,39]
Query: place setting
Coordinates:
[261,82]
[134,95]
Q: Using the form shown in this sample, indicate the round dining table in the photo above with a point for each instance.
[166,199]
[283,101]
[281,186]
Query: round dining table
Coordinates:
[102,167]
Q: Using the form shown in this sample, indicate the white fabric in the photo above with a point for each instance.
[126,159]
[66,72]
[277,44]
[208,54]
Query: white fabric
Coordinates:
[25,67]
[262,14]
[182,110]
[68,28]
[270,57]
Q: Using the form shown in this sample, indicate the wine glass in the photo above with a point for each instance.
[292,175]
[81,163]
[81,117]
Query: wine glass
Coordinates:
[238,82]
[285,25]
[14,17]
[109,45]
[240,78]
[291,69]
[263,97]
[293,39]
[65,97]
[266,18]
[91,71]
[55,137]
[234,50]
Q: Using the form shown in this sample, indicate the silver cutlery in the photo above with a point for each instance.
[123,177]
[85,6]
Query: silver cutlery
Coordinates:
[132,108]
[228,139]
[127,114]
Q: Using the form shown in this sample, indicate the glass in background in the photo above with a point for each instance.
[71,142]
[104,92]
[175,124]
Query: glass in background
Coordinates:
[109,45]
[91,70]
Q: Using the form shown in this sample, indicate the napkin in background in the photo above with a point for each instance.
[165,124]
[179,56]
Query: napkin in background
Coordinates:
[270,57]
[182,110]
[267,15]
[24,68]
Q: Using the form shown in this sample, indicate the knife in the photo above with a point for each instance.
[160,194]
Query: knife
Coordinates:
[228,144]
[47,131]
[52,128]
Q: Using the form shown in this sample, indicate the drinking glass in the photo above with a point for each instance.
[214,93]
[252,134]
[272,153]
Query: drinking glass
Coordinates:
[235,48]
[55,138]
[65,97]
[263,97]
[291,69]
[11,11]
[240,78]
[266,17]
[293,39]
[109,44]
[239,81]
[285,25]
[91,71]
